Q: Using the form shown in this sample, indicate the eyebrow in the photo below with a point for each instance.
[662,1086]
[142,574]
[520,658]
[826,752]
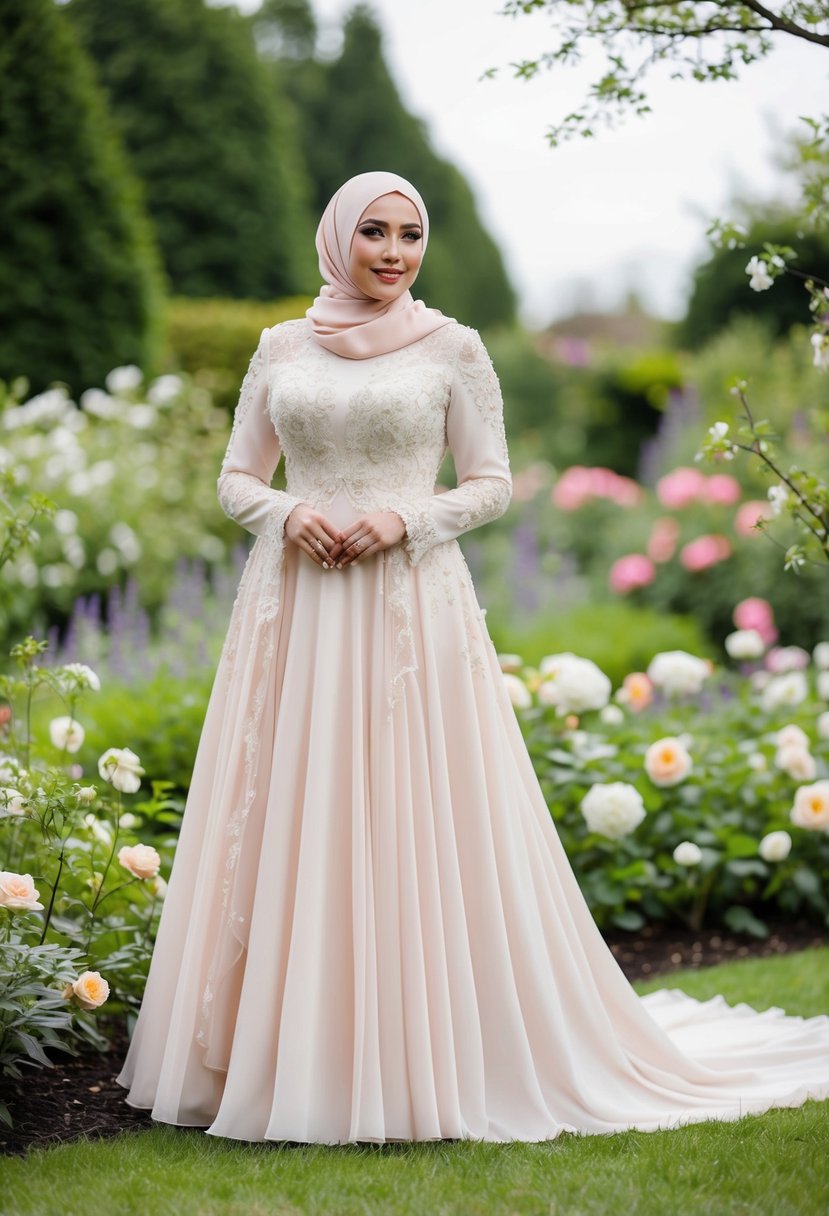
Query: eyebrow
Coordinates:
[383,224]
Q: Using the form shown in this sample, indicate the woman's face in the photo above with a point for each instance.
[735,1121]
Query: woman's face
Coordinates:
[387,248]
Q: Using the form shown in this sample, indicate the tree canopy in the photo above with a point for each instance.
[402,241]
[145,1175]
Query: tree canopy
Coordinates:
[80,282]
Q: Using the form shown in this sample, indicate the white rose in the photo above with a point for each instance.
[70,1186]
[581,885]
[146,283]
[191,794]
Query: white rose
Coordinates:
[823,725]
[158,886]
[758,762]
[18,892]
[122,768]
[775,846]
[760,279]
[687,853]
[678,673]
[612,715]
[792,736]
[124,379]
[613,809]
[99,828]
[788,689]
[811,807]
[572,685]
[796,762]
[667,762]
[820,655]
[745,644]
[84,675]
[66,734]
[518,692]
[128,820]
[142,860]
[822,684]
[12,801]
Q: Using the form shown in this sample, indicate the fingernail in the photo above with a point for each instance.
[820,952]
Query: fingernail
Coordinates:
[339,565]
[325,565]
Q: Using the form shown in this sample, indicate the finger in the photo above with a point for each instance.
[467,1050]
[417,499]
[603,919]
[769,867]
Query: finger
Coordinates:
[314,553]
[374,547]
[357,546]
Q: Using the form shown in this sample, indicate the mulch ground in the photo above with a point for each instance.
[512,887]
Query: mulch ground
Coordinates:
[79,1096]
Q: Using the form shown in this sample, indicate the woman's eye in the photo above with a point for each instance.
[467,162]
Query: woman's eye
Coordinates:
[414,235]
[371,232]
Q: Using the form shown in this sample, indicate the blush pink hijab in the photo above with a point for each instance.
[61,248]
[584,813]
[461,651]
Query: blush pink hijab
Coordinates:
[345,320]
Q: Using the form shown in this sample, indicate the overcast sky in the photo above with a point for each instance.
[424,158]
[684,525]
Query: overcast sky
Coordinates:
[582,224]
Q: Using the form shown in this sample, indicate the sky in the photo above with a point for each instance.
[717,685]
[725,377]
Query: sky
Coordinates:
[582,225]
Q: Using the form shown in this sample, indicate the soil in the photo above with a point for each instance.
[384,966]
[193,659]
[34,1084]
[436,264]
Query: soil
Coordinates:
[79,1096]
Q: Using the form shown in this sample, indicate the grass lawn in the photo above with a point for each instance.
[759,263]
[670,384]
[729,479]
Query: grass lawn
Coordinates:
[775,1164]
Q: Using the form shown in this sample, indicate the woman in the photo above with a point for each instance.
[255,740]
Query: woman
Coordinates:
[371,931]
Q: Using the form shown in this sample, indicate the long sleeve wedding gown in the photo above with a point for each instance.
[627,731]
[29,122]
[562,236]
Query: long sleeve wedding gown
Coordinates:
[371,930]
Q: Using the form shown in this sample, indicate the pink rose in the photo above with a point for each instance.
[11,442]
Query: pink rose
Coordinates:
[747,516]
[142,860]
[573,488]
[787,658]
[680,487]
[636,691]
[663,538]
[756,613]
[705,551]
[722,490]
[631,571]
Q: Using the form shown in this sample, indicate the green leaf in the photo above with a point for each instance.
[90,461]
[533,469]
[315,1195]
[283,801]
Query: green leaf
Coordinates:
[628,919]
[741,920]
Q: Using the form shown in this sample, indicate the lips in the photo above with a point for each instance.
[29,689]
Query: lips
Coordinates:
[388,276]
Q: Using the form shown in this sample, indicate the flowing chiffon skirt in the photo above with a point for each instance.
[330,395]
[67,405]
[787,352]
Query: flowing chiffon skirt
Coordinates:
[371,930]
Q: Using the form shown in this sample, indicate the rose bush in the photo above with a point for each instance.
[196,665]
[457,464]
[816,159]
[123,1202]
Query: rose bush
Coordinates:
[692,794]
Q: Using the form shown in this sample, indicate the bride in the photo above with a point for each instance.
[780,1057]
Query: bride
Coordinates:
[371,930]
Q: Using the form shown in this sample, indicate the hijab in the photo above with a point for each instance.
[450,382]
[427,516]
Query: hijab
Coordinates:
[343,318]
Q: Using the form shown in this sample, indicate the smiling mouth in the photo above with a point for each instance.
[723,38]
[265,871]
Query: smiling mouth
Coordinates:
[389,276]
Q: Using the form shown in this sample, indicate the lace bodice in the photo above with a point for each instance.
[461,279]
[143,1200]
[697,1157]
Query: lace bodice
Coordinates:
[375,430]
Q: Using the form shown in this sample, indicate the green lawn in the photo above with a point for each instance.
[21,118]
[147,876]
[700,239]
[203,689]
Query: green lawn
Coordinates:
[775,1164]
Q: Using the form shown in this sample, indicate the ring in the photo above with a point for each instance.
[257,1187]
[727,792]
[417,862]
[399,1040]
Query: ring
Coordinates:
[358,545]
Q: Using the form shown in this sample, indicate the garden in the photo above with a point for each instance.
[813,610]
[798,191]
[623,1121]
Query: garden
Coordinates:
[658,596]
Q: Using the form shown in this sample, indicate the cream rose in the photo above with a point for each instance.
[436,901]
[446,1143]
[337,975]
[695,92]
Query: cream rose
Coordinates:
[571,684]
[811,807]
[775,846]
[613,809]
[510,662]
[687,853]
[122,768]
[788,689]
[820,655]
[142,860]
[823,724]
[745,644]
[66,734]
[667,762]
[18,892]
[796,762]
[678,673]
[517,690]
[792,736]
[89,990]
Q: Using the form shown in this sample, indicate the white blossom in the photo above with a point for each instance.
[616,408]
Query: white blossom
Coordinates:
[760,279]
[124,379]
[823,724]
[820,655]
[572,684]
[66,734]
[820,347]
[519,694]
[788,689]
[778,497]
[85,676]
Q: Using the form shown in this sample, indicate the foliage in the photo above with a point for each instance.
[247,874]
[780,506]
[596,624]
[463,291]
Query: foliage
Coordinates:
[352,120]
[703,42]
[128,474]
[80,283]
[720,288]
[205,129]
[213,339]
[736,792]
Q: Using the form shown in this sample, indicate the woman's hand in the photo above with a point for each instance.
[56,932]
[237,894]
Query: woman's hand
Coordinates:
[368,535]
[311,532]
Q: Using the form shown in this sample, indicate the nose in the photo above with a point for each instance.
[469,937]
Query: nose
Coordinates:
[391,252]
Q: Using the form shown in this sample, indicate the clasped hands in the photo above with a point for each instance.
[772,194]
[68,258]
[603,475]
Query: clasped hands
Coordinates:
[331,548]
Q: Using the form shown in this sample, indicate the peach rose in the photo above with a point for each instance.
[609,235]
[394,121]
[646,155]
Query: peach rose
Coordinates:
[667,762]
[142,860]
[811,807]
[89,990]
[636,691]
[796,762]
[18,892]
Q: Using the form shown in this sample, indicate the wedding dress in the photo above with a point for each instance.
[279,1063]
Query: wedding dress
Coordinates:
[371,930]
